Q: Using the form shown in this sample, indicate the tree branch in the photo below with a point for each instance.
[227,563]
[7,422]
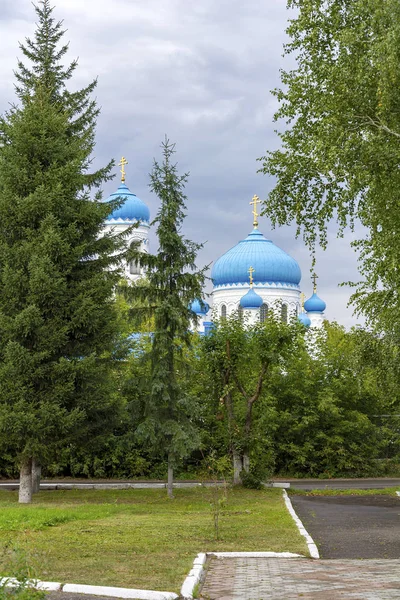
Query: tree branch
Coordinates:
[378,123]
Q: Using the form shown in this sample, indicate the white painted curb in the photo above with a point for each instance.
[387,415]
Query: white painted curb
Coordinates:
[95,590]
[194,576]
[47,586]
[255,555]
[116,592]
[277,484]
[303,531]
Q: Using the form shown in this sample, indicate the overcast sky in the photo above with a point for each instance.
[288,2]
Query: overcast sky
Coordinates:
[201,72]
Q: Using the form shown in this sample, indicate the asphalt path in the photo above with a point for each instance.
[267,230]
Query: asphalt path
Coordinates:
[301,484]
[359,527]
[344,484]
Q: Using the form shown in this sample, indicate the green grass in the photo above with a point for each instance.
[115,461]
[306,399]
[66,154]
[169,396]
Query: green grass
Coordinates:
[356,492]
[139,538]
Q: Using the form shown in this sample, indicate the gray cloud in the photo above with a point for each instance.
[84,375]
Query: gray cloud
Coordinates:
[202,73]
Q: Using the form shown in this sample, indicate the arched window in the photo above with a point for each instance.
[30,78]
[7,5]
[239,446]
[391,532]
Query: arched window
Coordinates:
[223,311]
[284,313]
[134,268]
[240,313]
[263,312]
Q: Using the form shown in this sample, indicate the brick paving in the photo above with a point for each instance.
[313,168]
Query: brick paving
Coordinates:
[280,578]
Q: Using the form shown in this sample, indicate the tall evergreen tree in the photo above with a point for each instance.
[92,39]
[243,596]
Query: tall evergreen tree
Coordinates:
[57,272]
[173,283]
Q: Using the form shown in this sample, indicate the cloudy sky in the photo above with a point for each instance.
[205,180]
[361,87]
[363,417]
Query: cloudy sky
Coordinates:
[201,72]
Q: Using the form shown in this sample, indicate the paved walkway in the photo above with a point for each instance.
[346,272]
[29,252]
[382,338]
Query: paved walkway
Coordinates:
[292,578]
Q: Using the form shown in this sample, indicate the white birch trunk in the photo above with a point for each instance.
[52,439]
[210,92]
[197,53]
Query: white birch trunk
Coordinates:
[246,462]
[25,482]
[237,468]
[36,475]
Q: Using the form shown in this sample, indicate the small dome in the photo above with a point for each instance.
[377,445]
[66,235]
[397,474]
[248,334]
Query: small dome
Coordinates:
[198,309]
[251,300]
[270,263]
[133,209]
[314,304]
[304,320]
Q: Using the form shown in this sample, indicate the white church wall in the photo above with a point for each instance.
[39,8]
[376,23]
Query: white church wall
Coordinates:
[251,316]
[317,319]
[274,297]
[140,234]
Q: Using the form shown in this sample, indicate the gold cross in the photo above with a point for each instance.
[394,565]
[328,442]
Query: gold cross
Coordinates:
[256,200]
[314,280]
[122,164]
[302,300]
[251,271]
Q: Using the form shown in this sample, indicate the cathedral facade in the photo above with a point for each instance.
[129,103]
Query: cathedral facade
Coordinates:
[254,278]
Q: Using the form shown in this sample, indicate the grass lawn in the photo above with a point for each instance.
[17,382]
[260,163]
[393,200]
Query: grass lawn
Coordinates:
[139,538]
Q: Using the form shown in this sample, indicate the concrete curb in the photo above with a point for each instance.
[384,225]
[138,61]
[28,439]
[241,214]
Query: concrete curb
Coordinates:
[115,592]
[47,586]
[303,531]
[255,555]
[277,484]
[194,576]
[94,590]
[129,486]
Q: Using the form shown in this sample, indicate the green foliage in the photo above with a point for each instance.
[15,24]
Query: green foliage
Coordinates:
[239,361]
[173,282]
[326,403]
[57,274]
[19,574]
[340,150]
[251,481]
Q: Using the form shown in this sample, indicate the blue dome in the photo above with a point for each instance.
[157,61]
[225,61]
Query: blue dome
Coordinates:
[271,264]
[133,209]
[314,304]
[251,300]
[197,308]
[306,321]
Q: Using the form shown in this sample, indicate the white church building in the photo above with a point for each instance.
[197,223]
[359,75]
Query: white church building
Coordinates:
[253,278]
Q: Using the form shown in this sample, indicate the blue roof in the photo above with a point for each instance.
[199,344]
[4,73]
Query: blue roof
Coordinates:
[198,309]
[251,300]
[270,263]
[314,304]
[133,209]
[304,319]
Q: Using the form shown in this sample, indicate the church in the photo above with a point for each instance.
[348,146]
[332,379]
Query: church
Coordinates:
[253,278]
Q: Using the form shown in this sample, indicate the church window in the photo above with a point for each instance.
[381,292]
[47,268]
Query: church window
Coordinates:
[284,313]
[223,311]
[263,312]
[134,268]
[240,313]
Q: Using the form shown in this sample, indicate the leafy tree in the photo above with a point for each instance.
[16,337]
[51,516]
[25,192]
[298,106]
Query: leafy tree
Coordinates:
[327,405]
[240,360]
[173,282]
[340,151]
[57,273]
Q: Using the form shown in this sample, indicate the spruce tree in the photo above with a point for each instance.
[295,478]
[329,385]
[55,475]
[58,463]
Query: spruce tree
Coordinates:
[57,271]
[173,283]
